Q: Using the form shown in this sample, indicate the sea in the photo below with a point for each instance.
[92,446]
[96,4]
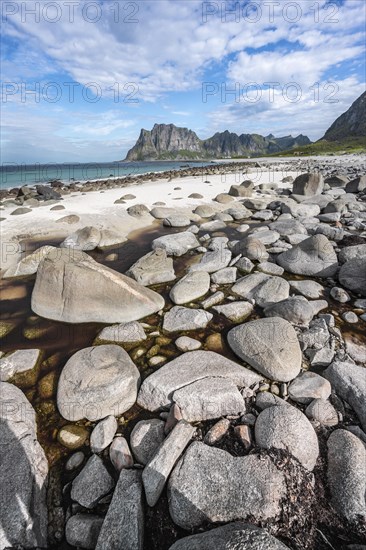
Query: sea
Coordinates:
[17,175]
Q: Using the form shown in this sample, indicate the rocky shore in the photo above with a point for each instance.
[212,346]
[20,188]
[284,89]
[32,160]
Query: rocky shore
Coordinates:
[211,392]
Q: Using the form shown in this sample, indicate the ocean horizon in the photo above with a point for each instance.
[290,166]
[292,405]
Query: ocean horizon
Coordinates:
[17,175]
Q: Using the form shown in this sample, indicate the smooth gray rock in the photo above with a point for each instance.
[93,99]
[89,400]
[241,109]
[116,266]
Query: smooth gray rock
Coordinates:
[323,412]
[209,398]
[309,289]
[191,287]
[288,428]
[266,236]
[288,227]
[349,382]
[146,437]
[235,311]
[29,264]
[23,473]
[92,484]
[346,474]
[103,434]
[208,484]
[84,291]
[234,536]
[270,268]
[157,390]
[224,276]
[268,345]
[339,295]
[214,225]
[177,220]
[123,526]
[176,244]
[183,318]
[158,469]
[356,185]
[352,275]
[97,382]
[82,530]
[301,210]
[265,399]
[120,454]
[205,211]
[153,268]
[251,248]
[124,333]
[138,210]
[311,183]
[241,190]
[17,362]
[357,251]
[185,343]
[86,238]
[264,289]
[297,310]
[314,256]
[308,386]
[212,261]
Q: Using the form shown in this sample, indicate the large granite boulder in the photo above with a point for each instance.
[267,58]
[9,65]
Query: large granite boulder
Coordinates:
[346,474]
[176,244]
[286,427]
[157,390]
[153,268]
[123,526]
[352,275]
[349,382]
[86,238]
[234,536]
[268,345]
[210,485]
[308,184]
[97,382]
[29,264]
[314,256]
[23,473]
[191,287]
[264,289]
[83,291]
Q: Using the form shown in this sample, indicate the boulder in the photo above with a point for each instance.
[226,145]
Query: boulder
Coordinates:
[268,345]
[205,211]
[264,289]
[208,484]
[191,287]
[103,434]
[97,382]
[158,469]
[157,390]
[153,268]
[176,244]
[213,261]
[146,437]
[322,411]
[177,220]
[184,318]
[92,483]
[288,227]
[308,386]
[224,276]
[82,530]
[18,362]
[251,248]
[235,311]
[29,264]
[309,289]
[308,184]
[123,526]
[356,185]
[138,210]
[357,251]
[124,333]
[86,238]
[352,275]
[314,256]
[234,536]
[23,473]
[288,428]
[245,189]
[349,382]
[185,343]
[346,474]
[209,398]
[84,291]
[297,310]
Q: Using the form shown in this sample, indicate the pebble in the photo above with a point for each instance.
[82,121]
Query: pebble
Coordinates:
[244,435]
[120,454]
[340,295]
[74,461]
[72,436]
[185,343]
[350,317]
[217,432]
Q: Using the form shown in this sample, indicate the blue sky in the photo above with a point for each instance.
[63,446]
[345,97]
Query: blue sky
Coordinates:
[81,78]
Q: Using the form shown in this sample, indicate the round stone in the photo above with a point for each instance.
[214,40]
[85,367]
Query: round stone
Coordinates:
[72,436]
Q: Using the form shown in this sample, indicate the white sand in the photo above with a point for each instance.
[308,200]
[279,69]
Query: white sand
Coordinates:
[98,209]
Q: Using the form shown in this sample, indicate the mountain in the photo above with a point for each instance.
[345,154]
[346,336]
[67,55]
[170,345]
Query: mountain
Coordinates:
[351,124]
[168,142]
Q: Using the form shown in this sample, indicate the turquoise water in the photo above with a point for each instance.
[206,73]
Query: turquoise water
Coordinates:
[16,175]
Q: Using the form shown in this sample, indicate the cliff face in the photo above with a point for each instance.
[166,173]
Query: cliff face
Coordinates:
[168,142]
[352,123]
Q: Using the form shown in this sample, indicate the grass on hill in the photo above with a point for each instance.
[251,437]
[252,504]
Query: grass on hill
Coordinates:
[323,147]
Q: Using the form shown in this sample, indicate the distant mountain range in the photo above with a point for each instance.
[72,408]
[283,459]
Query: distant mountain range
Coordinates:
[352,123]
[169,142]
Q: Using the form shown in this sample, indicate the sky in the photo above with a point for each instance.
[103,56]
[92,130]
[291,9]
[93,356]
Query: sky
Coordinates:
[81,78]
